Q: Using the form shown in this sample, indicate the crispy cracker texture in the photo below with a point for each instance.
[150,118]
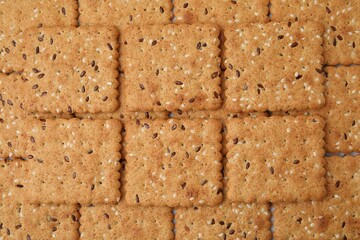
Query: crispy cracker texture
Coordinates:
[277,159]
[335,217]
[291,80]
[226,221]
[173,162]
[18,15]
[81,165]
[221,12]
[122,13]
[126,222]
[68,70]
[171,67]
[340,18]
[27,221]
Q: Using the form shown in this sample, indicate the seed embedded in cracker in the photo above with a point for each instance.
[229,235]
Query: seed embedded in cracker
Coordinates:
[173,162]
[273,66]
[275,159]
[165,70]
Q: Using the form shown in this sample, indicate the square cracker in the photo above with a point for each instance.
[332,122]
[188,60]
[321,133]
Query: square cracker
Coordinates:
[336,217]
[18,15]
[341,20]
[227,221]
[25,221]
[342,109]
[221,12]
[65,161]
[292,79]
[173,162]
[69,69]
[125,222]
[171,67]
[275,159]
[121,13]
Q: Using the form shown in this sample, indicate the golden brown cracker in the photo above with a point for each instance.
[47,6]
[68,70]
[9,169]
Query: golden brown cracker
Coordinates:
[173,162]
[273,66]
[171,67]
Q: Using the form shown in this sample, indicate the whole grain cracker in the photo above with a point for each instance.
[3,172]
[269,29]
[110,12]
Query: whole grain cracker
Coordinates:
[293,78]
[17,15]
[25,221]
[341,20]
[276,159]
[227,221]
[171,67]
[65,161]
[221,12]
[336,217]
[70,70]
[125,222]
[173,162]
[121,13]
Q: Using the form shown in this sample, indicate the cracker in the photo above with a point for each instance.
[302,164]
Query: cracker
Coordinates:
[275,159]
[67,161]
[70,70]
[337,216]
[25,221]
[122,113]
[341,20]
[125,222]
[18,15]
[227,221]
[223,13]
[293,78]
[121,13]
[342,111]
[173,162]
[171,67]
